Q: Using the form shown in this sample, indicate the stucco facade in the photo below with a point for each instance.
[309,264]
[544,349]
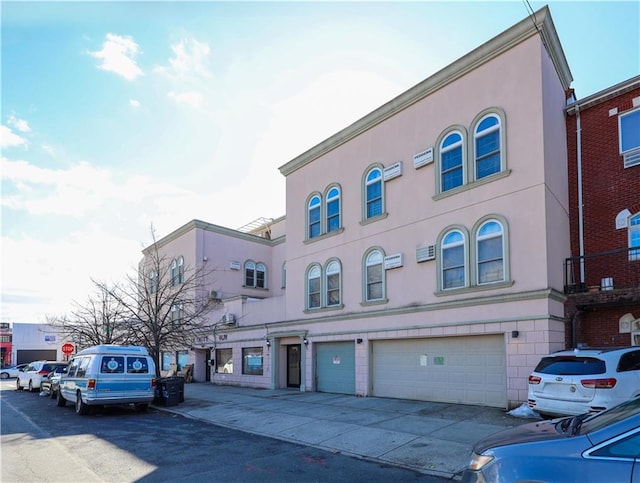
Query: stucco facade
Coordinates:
[409,263]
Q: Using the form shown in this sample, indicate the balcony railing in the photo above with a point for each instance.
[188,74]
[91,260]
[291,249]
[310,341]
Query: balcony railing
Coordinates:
[614,270]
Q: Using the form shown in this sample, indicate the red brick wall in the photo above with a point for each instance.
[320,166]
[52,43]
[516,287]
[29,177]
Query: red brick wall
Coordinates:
[608,188]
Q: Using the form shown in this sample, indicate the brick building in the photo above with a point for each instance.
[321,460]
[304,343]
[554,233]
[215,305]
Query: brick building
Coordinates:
[603,274]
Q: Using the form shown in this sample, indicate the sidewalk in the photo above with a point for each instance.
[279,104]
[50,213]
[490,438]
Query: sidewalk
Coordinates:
[432,438]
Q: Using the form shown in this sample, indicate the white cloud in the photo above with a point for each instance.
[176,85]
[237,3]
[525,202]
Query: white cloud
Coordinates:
[134,103]
[191,59]
[10,139]
[117,55]
[46,275]
[78,190]
[20,124]
[192,98]
[50,150]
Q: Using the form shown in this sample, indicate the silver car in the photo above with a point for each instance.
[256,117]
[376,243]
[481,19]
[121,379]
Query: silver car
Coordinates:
[589,447]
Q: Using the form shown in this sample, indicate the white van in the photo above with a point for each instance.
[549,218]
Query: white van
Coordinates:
[107,375]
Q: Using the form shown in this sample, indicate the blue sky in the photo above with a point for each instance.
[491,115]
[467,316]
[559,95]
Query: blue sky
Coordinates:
[119,115]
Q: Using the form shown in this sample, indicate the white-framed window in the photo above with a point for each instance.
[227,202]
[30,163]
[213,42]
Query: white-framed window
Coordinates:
[374,287]
[333,283]
[490,253]
[453,256]
[629,137]
[255,274]
[487,150]
[284,275]
[314,294]
[180,270]
[176,315]
[634,237]
[324,213]
[373,194]
[333,209]
[452,161]
[153,282]
[314,217]
[249,274]
[177,271]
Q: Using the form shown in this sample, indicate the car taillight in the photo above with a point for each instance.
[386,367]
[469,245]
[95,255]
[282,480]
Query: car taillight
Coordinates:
[42,372]
[599,383]
[534,380]
[153,383]
[91,384]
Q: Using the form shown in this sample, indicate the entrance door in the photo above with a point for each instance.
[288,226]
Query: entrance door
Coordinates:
[293,365]
[208,355]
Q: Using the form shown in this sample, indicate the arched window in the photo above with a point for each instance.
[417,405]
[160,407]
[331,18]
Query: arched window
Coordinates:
[255,274]
[487,148]
[313,214]
[453,260]
[374,276]
[250,274]
[176,315]
[332,274]
[180,270]
[153,282]
[373,194]
[284,275]
[490,252]
[174,272]
[261,275]
[451,161]
[634,237]
[313,287]
[333,210]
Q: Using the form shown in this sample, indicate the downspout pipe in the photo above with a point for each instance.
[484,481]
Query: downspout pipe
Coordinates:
[580,196]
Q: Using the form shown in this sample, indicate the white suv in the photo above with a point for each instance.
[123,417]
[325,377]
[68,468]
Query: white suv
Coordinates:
[574,382]
[31,376]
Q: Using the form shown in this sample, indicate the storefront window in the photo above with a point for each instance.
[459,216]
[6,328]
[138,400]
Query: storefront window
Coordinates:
[167,360]
[252,361]
[183,359]
[224,362]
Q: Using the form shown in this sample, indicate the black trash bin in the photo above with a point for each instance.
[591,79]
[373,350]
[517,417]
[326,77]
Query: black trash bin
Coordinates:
[169,391]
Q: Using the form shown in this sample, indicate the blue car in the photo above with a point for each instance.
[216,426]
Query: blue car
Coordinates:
[586,448]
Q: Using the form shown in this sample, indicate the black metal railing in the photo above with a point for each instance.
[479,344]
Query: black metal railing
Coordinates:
[604,271]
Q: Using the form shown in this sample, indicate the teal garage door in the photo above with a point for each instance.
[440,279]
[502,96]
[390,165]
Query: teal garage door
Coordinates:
[336,367]
[461,370]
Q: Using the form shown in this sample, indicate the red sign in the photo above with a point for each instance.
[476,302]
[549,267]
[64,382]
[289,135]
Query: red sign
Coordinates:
[67,348]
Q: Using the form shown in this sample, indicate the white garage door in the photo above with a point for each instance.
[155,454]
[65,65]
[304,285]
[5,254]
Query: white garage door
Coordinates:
[461,370]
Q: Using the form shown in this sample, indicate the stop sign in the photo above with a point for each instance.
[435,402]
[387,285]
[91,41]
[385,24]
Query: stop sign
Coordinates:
[67,348]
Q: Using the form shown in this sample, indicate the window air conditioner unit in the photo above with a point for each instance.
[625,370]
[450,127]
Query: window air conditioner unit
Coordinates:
[424,254]
[213,294]
[228,319]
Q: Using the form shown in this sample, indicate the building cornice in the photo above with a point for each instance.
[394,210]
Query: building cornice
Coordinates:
[221,230]
[539,22]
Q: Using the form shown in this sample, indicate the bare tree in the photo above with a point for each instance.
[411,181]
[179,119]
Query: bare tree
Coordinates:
[100,320]
[165,305]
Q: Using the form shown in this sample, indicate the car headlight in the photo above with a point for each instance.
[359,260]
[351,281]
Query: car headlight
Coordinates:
[479,461]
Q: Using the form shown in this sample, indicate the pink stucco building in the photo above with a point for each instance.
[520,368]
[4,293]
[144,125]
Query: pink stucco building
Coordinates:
[421,255]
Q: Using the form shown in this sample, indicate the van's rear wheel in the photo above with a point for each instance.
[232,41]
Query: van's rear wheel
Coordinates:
[60,401]
[81,408]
